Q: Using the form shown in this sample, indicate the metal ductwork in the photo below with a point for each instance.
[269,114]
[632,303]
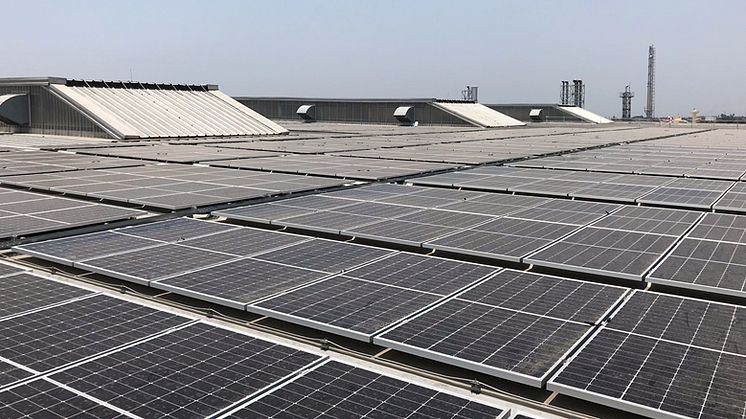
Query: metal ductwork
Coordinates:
[14,109]
[404,114]
[307,112]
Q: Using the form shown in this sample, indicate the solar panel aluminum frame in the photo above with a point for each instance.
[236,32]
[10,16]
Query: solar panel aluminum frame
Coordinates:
[365,337]
[482,368]
[601,399]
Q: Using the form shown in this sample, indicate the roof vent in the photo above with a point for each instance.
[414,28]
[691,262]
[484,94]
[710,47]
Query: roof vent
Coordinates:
[307,112]
[535,115]
[404,114]
[14,109]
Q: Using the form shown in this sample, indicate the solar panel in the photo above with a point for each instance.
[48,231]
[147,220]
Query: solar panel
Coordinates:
[650,220]
[196,371]
[7,270]
[663,356]
[144,265]
[485,329]
[403,232]
[567,212]
[613,192]
[327,221]
[503,239]
[687,198]
[237,283]
[445,218]
[42,399]
[366,300]
[263,213]
[616,253]
[243,241]
[325,255]
[23,291]
[177,229]
[59,335]
[337,390]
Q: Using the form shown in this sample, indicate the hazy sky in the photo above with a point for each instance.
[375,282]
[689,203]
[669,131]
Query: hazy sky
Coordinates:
[516,52]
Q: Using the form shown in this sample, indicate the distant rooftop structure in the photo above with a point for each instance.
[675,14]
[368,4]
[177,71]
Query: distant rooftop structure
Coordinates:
[124,110]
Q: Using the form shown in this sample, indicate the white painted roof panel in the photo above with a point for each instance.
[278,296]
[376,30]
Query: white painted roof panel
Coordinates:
[478,114]
[585,115]
[154,113]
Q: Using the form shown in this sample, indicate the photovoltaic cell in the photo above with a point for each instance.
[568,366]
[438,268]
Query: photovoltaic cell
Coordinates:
[367,299]
[504,239]
[491,333]
[239,282]
[152,263]
[24,291]
[666,356]
[177,230]
[76,248]
[196,371]
[243,241]
[617,253]
[337,390]
[42,399]
[59,335]
[324,255]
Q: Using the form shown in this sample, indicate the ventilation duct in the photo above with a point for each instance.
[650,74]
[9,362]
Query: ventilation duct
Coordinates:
[307,112]
[14,109]
[404,114]
[535,115]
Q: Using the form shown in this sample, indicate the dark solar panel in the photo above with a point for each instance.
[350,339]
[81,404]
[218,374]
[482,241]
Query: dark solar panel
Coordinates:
[152,263]
[76,248]
[515,325]
[617,253]
[663,355]
[505,238]
[176,230]
[337,390]
[239,282]
[59,335]
[404,232]
[325,255]
[24,291]
[650,220]
[42,399]
[243,241]
[367,299]
[196,371]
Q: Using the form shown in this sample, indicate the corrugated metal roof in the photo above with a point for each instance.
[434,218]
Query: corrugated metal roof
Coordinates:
[585,114]
[478,114]
[141,111]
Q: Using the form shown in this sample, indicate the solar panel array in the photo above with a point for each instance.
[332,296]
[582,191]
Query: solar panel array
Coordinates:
[625,244]
[171,186]
[30,162]
[515,325]
[175,153]
[710,258]
[70,352]
[657,355]
[341,167]
[708,155]
[23,213]
[656,190]
[664,356]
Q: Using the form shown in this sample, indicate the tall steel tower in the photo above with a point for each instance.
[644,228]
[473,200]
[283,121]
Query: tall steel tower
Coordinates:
[626,96]
[650,108]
